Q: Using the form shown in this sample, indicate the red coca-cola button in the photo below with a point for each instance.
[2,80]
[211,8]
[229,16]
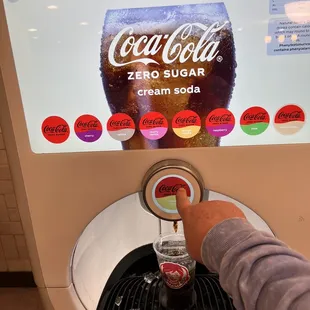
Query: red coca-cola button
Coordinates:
[164,194]
[289,119]
[186,124]
[88,128]
[121,127]
[254,121]
[220,122]
[153,125]
[55,129]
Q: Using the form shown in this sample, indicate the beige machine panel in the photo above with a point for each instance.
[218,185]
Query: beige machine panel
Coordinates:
[59,194]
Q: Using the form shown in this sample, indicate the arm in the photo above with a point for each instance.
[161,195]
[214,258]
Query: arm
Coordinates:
[257,270]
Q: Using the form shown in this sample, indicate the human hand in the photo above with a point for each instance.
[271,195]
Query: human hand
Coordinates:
[199,219]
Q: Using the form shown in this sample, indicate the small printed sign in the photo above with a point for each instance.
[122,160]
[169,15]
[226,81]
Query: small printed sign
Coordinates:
[286,37]
[278,6]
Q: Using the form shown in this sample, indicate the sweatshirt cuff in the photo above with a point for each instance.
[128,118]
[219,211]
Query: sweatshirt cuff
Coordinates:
[221,238]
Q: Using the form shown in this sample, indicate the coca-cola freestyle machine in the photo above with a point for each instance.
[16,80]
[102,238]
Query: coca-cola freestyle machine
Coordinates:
[107,108]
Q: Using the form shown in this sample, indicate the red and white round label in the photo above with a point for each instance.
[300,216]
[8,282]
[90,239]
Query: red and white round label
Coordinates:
[175,275]
[165,190]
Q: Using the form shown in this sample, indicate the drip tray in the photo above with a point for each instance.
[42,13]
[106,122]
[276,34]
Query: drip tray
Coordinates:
[142,293]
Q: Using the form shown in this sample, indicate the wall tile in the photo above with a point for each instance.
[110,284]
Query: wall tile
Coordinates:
[19,265]
[9,247]
[2,257]
[3,266]
[5,173]
[4,215]
[2,146]
[13,215]
[3,157]
[2,200]
[11,228]
[14,254]
[10,200]
[6,187]
[21,247]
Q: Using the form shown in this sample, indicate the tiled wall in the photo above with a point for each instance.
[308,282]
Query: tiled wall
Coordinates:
[13,248]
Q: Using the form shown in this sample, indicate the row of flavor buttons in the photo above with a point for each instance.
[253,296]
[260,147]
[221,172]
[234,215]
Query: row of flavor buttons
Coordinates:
[185,124]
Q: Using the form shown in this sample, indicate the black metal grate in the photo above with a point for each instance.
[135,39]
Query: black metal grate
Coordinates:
[135,293]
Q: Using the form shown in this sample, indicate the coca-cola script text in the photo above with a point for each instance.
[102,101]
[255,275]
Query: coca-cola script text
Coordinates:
[206,49]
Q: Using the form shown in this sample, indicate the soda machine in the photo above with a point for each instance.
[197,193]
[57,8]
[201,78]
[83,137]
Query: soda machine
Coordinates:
[108,108]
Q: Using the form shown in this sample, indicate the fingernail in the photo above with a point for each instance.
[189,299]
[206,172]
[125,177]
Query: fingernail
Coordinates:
[182,190]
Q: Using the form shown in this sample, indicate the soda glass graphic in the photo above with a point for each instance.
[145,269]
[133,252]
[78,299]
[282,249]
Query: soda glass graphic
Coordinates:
[177,270]
[166,60]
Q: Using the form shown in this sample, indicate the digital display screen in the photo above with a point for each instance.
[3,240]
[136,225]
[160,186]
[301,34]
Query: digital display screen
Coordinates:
[118,75]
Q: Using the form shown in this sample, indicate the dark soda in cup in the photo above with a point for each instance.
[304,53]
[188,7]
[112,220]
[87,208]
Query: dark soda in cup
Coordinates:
[178,272]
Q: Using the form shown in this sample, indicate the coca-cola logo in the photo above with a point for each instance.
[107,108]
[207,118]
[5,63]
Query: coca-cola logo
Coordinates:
[220,118]
[261,116]
[168,189]
[88,128]
[290,119]
[89,125]
[254,121]
[159,121]
[120,123]
[190,120]
[121,127]
[55,129]
[61,128]
[175,275]
[140,49]
[290,115]
[220,122]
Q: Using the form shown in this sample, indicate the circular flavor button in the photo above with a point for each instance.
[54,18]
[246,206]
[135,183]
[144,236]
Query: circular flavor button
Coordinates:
[220,122]
[121,127]
[153,125]
[55,129]
[289,119]
[88,128]
[254,121]
[161,184]
[186,124]
[165,190]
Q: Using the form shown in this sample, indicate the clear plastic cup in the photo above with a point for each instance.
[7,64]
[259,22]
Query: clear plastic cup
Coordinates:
[177,270]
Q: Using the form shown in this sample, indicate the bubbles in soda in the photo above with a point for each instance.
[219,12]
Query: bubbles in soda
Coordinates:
[173,248]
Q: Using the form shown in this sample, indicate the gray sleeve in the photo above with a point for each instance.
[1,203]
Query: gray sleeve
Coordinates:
[257,270]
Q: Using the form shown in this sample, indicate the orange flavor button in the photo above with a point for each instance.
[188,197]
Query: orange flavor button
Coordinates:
[186,124]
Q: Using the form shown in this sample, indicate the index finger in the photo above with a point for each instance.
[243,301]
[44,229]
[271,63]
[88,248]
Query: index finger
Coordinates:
[182,201]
